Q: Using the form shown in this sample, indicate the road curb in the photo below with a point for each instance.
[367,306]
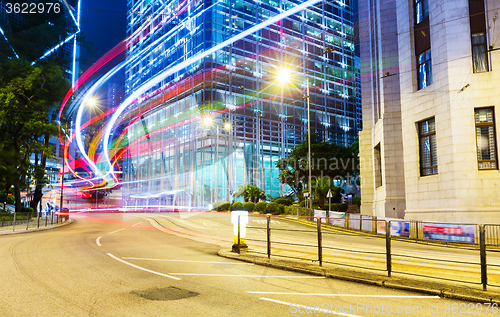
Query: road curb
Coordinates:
[407,284]
[68,222]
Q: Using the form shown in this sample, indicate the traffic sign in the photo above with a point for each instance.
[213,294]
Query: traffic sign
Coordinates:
[329,195]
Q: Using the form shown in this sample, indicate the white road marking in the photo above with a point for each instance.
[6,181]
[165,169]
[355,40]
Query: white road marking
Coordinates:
[97,241]
[303,306]
[343,295]
[141,268]
[261,230]
[147,259]
[116,231]
[236,275]
[136,224]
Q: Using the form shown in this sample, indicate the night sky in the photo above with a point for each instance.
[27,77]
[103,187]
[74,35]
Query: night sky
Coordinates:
[104,25]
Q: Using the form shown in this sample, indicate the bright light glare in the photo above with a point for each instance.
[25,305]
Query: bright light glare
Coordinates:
[91,102]
[284,76]
[207,121]
[227,126]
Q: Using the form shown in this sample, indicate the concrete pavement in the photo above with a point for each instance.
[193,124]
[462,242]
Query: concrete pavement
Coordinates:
[34,225]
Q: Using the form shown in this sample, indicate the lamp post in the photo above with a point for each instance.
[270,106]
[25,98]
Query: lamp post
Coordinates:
[284,76]
[309,147]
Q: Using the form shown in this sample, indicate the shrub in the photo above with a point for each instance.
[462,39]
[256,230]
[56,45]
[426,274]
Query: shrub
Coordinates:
[315,203]
[356,201]
[27,209]
[283,201]
[249,206]
[260,206]
[221,206]
[237,206]
[292,210]
[339,207]
[273,208]
[10,200]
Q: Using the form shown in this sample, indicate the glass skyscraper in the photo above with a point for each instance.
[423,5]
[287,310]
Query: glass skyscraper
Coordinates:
[225,120]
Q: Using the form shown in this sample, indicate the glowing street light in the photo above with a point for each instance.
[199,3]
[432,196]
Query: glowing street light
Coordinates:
[284,75]
[92,102]
[207,121]
[227,126]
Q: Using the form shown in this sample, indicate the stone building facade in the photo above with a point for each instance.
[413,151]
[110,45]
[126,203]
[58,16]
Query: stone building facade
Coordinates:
[431,98]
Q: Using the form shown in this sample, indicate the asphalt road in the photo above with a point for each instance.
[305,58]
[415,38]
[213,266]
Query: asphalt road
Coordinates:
[133,265]
[347,249]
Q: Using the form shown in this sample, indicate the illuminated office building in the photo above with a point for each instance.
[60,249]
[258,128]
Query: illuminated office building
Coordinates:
[225,120]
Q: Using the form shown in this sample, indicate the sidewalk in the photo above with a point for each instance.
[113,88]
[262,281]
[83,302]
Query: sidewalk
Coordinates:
[421,285]
[35,224]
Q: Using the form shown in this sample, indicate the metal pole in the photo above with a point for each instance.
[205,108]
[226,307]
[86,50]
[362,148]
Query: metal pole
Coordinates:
[320,247]
[27,221]
[268,237]
[309,148]
[46,219]
[38,219]
[217,165]
[329,209]
[482,255]
[14,225]
[62,187]
[239,234]
[388,247]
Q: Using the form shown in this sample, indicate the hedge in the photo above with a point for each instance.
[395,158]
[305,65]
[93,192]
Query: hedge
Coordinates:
[261,206]
[339,207]
[237,206]
[275,208]
[221,206]
[249,206]
[283,201]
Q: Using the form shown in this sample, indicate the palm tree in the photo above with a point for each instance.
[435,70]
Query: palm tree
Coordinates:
[321,187]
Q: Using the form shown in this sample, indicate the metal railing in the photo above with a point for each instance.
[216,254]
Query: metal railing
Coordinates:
[22,221]
[310,245]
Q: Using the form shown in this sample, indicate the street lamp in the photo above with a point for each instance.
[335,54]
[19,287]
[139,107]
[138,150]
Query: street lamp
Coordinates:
[284,76]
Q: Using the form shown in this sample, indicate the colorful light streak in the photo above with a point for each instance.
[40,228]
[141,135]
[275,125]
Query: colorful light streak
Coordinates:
[139,94]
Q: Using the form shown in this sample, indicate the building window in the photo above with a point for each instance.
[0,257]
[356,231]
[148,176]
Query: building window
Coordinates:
[486,138]
[477,21]
[479,57]
[422,40]
[424,69]
[421,10]
[427,142]
[378,165]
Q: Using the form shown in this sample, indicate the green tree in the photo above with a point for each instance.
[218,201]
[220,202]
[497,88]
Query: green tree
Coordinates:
[321,186]
[28,95]
[250,193]
[328,160]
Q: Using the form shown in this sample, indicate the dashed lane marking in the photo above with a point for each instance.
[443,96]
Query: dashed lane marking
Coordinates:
[141,268]
[302,306]
[342,295]
[168,260]
[236,275]
[117,230]
[97,241]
